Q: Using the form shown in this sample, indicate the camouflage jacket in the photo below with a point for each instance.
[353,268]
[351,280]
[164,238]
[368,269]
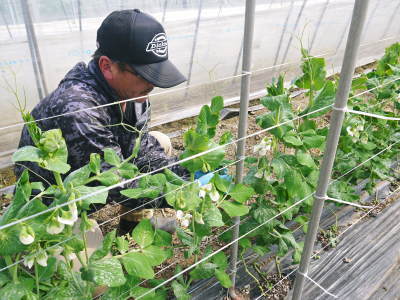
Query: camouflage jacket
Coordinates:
[87,129]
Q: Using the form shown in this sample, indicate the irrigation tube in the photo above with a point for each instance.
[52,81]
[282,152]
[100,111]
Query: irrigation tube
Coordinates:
[242,132]
[349,61]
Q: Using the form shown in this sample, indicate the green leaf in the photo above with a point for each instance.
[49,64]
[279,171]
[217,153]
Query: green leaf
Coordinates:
[244,244]
[276,102]
[56,165]
[162,238]
[122,244]
[95,163]
[282,248]
[323,98]
[128,170]
[185,238]
[138,291]
[241,192]
[217,104]
[292,140]
[12,291]
[296,186]
[212,217]
[265,216]
[313,73]
[194,141]
[313,141]
[78,177]
[138,264]
[105,246]
[173,178]
[279,167]
[46,273]
[111,157]
[156,255]
[221,184]
[27,153]
[171,192]
[220,260]
[180,291]
[108,178]
[143,233]
[203,271]
[225,138]
[305,159]
[107,272]
[223,278]
[137,193]
[234,209]
[100,198]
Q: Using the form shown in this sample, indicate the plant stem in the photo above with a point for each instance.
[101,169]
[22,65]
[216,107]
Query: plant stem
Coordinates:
[278,268]
[59,181]
[37,280]
[252,275]
[12,270]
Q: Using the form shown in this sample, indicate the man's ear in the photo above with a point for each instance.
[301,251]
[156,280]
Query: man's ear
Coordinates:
[105,65]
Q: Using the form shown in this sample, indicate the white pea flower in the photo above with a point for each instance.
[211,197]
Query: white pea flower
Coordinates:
[202,193]
[364,139]
[69,217]
[263,147]
[184,218]
[185,223]
[179,214]
[71,256]
[360,127]
[55,226]
[214,195]
[259,174]
[29,261]
[204,189]
[350,130]
[27,235]
[74,210]
[41,258]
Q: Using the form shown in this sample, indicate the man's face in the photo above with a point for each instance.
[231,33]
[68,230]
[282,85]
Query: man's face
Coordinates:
[125,81]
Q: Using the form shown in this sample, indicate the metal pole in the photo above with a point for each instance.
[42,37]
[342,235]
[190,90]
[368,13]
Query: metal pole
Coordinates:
[164,11]
[349,62]
[196,32]
[244,108]
[80,15]
[34,50]
[391,19]
[318,25]
[295,27]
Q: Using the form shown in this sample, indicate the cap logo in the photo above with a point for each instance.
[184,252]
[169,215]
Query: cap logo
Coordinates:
[158,45]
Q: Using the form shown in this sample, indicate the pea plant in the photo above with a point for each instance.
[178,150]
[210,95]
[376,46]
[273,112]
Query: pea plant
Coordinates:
[285,165]
[44,229]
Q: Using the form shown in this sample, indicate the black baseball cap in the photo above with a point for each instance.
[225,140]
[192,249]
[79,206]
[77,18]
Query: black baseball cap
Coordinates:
[136,38]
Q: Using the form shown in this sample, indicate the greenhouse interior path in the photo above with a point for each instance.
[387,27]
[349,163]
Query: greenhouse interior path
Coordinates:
[365,263]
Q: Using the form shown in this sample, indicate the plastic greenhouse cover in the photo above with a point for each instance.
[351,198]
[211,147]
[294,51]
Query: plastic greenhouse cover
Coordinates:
[205,41]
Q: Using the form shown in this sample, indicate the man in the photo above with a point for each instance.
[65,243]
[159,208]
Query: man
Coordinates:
[130,60]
